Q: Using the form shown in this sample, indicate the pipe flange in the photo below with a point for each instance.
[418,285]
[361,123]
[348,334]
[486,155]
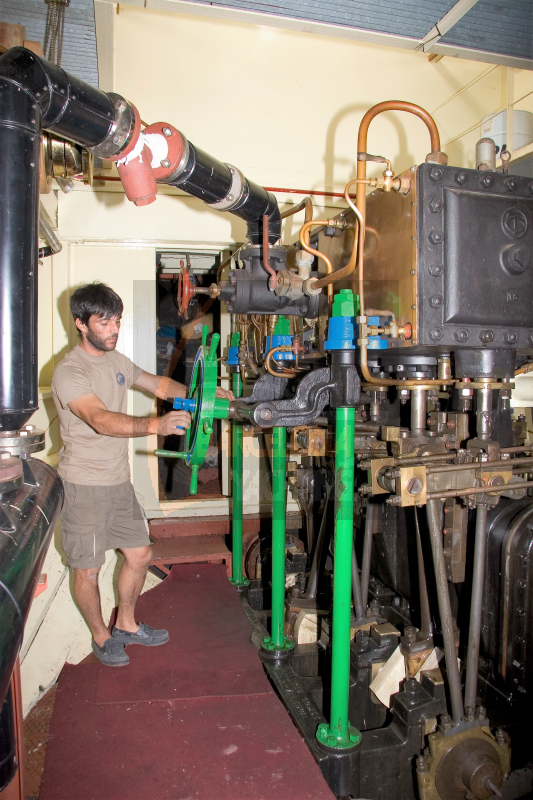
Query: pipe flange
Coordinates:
[124,132]
[177,151]
[236,190]
[22,443]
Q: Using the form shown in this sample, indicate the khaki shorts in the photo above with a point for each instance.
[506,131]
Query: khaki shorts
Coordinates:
[100,518]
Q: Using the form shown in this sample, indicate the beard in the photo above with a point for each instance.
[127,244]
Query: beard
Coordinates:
[104,344]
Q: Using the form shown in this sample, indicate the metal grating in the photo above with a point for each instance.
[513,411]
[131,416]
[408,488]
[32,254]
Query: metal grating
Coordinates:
[79,46]
[496,27]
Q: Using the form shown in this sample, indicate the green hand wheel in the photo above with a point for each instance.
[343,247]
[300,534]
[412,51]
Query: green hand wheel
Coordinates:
[203,406]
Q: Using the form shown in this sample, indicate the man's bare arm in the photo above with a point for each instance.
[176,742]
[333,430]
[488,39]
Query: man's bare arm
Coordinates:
[167,389]
[164,388]
[92,410]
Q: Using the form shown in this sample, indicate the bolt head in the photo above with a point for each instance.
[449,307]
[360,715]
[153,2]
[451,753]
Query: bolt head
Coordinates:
[266,414]
[410,633]
[436,205]
[414,485]
[165,163]
[435,174]
[167,131]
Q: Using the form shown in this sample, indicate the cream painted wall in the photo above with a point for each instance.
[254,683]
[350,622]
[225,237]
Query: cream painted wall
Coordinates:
[284,107]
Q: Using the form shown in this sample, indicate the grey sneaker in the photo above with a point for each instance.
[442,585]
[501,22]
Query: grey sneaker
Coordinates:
[111,653]
[145,635]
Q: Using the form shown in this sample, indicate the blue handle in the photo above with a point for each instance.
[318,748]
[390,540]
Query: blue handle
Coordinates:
[185,404]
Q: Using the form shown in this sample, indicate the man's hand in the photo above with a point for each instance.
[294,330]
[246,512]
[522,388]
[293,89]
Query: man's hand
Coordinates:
[225,394]
[168,423]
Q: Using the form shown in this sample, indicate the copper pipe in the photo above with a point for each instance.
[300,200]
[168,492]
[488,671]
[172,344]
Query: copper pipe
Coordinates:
[362,140]
[304,241]
[266,263]
[288,373]
[311,192]
[305,203]
[361,210]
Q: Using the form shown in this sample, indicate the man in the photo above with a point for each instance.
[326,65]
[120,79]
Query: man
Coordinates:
[101,511]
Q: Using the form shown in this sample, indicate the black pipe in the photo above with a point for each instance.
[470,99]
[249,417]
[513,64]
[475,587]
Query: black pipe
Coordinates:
[69,106]
[27,519]
[211,180]
[20,141]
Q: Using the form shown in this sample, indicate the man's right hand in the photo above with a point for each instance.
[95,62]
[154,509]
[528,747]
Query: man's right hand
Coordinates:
[167,424]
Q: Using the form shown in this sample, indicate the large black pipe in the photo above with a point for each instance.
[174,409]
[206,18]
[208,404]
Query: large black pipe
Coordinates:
[27,519]
[19,225]
[36,95]
[69,107]
[211,180]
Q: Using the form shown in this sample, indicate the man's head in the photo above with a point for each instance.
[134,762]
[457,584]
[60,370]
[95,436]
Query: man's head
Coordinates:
[97,311]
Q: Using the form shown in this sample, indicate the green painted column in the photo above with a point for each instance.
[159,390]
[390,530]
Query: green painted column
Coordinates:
[339,733]
[237,577]
[277,640]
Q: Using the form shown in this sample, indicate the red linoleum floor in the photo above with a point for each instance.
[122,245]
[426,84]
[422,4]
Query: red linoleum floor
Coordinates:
[193,719]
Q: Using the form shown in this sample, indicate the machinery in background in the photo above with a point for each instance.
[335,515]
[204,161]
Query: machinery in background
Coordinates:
[402,652]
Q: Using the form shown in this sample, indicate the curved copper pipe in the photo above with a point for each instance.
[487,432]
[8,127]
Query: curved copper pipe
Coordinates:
[304,241]
[390,105]
[266,263]
[305,203]
[289,373]
[338,275]
[362,140]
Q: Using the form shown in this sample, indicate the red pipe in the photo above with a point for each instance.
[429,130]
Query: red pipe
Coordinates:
[268,188]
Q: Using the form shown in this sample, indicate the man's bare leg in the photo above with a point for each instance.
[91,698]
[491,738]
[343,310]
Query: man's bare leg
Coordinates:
[87,596]
[130,583]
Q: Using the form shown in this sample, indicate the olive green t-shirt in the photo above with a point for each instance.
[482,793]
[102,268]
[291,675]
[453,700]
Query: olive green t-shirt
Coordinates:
[87,457]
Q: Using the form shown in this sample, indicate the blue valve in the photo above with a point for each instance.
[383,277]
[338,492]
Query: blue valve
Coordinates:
[184,404]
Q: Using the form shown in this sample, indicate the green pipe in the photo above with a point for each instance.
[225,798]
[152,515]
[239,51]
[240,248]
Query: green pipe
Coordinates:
[277,639]
[339,733]
[237,577]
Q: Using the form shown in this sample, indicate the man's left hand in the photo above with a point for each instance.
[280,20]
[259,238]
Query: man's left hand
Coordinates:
[225,394]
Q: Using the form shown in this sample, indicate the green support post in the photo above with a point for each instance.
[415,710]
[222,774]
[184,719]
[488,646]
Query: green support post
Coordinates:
[339,733]
[237,577]
[277,640]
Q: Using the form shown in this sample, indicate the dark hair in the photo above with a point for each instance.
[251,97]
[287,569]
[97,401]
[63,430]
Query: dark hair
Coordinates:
[95,298]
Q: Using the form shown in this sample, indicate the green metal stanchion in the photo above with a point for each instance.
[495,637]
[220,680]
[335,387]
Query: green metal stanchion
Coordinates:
[277,641]
[237,577]
[339,733]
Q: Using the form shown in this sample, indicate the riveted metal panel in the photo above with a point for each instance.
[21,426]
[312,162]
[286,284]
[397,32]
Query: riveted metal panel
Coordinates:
[474,258]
